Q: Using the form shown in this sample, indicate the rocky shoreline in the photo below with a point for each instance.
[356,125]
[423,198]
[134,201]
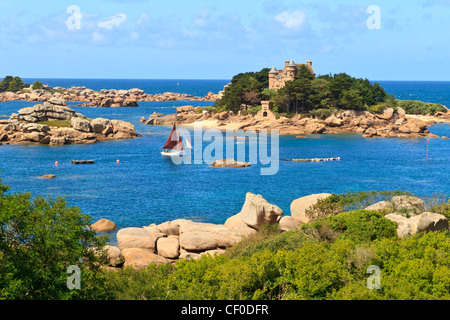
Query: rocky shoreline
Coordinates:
[53,123]
[179,239]
[103,98]
[389,124]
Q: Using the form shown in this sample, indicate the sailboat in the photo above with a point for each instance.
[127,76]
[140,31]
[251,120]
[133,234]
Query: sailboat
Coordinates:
[174,145]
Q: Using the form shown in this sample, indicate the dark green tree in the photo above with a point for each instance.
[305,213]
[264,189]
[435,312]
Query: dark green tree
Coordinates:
[16,84]
[337,85]
[244,89]
[39,240]
[4,84]
[37,85]
[322,97]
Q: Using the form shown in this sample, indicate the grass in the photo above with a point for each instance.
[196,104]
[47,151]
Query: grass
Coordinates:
[56,123]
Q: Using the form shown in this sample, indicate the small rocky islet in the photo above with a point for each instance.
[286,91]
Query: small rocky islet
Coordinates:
[53,123]
[179,239]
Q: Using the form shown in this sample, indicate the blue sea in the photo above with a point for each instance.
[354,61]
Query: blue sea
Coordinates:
[146,188]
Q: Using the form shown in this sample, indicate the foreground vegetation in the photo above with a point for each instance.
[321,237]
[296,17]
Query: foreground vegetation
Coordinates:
[318,97]
[39,240]
[325,259]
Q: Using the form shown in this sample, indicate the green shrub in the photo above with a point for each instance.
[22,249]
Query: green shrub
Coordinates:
[269,237]
[443,209]
[56,123]
[212,109]
[254,110]
[322,113]
[37,85]
[360,225]
[348,201]
[380,107]
[419,107]
[39,239]
[244,112]
[411,268]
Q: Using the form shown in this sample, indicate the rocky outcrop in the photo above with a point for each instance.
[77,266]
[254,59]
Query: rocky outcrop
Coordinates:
[389,124]
[229,163]
[173,240]
[410,215]
[54,109]
[407,204]
[115,256]
[104,225]
[426,221]
[178,239]
[53,123]
[169,247]
[48,176]
[412,205]
[380,206]
[186,239]
[137,238]
[256,211]
[103,98]
[138,258]
[300,205]
[289,223]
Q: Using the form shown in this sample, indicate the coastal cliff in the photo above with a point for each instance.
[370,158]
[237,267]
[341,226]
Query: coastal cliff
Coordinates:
[387,124]
[53,123]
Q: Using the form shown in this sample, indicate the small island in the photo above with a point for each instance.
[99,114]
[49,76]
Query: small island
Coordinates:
[53,123]
[296,102]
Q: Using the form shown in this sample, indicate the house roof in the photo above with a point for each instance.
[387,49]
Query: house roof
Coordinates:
[273,70]
[291,64]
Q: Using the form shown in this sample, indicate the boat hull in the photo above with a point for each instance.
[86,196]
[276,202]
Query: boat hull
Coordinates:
[172,153]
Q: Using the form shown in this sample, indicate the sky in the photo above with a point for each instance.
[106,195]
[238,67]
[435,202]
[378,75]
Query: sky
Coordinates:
[216,39]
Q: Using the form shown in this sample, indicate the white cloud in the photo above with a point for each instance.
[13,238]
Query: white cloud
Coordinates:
[113,21]
[291,20]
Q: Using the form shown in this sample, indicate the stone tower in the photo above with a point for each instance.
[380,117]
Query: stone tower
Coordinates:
[291,70]
[272,74]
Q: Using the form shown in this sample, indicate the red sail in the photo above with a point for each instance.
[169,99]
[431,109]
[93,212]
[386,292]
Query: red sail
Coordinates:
[174,141]
[180,145]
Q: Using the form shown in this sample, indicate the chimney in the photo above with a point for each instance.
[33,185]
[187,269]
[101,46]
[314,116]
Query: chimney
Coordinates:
[286,63]
[310,63]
